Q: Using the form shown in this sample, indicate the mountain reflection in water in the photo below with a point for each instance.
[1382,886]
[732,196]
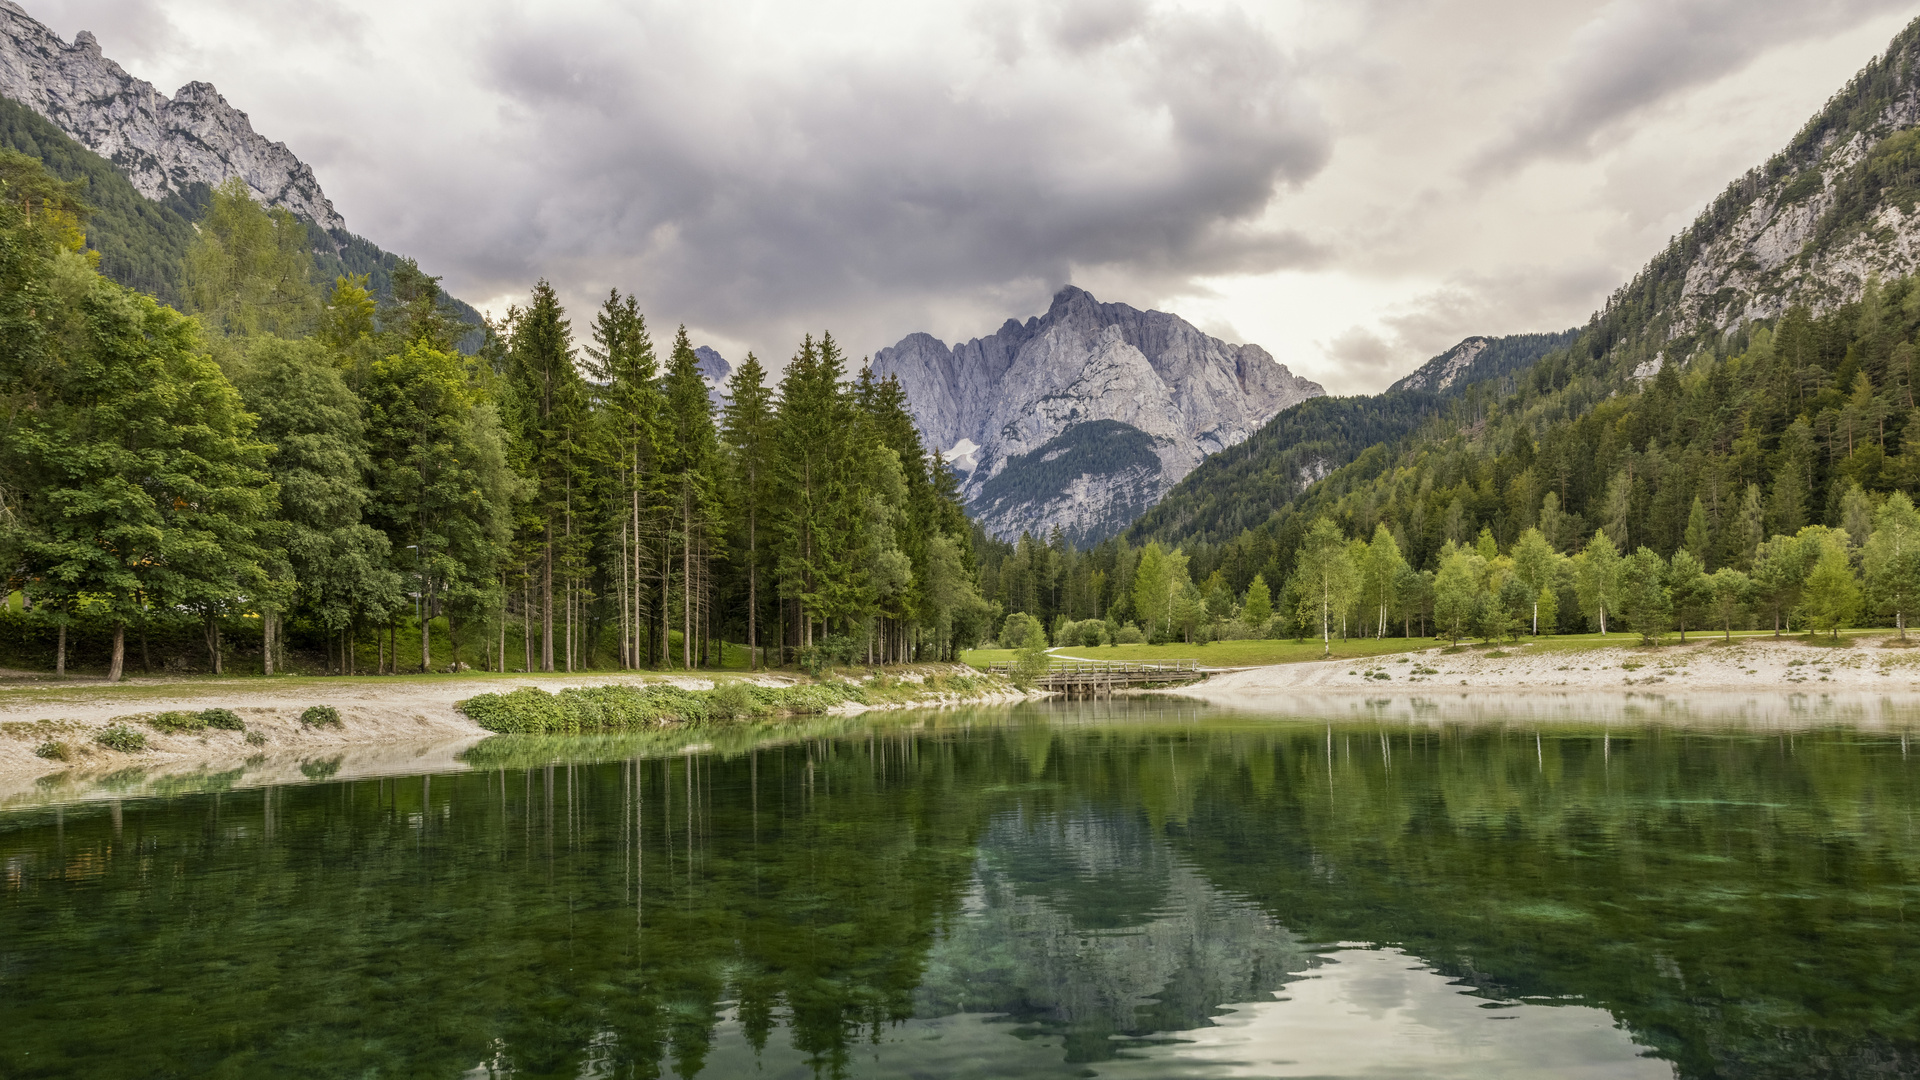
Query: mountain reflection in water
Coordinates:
[1131,890]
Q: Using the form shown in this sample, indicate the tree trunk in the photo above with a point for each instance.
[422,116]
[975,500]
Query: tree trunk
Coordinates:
[546,604]
[753,590]
[426,623]
[686,582]
[60,651]
[119,659]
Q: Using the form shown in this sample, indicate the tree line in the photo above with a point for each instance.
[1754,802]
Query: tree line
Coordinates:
[311,468]
[1795,436]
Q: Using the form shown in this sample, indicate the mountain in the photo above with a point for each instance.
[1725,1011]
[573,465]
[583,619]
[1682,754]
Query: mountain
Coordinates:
[165,146]
[85,117]
[715,370]
[1081,418]
[1757,377]
[1839,204]
[1243,486]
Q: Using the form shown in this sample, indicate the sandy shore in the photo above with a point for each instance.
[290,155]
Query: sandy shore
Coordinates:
[1746,664]
[388,727]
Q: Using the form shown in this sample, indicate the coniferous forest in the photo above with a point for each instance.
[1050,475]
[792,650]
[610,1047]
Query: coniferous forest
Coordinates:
[1762,482]
[300,474]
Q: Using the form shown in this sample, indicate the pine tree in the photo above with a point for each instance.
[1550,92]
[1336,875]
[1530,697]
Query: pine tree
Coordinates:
[689,468]
[1257,610]
[1698,541]
[547,404]
[631,406]
[1687,583]
[441,483]
[748,434]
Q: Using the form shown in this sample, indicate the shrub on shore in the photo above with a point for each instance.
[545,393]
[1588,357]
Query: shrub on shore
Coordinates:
[175,723]
[121,737]
[532,711]
[321,716]
[53,750]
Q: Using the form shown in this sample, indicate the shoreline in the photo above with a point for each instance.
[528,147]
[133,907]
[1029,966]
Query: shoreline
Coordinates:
[411,724]
[388,725]
[1760,665]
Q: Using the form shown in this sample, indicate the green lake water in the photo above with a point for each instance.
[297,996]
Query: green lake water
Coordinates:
[1129,889]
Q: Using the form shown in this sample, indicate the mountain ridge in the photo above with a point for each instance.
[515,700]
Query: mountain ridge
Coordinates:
[1018,393]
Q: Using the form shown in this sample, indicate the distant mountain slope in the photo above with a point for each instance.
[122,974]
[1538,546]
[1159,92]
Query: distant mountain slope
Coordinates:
[1840,203]
[1243,486]
[164,145]
[1751,380]
[1022,396]
[151,162]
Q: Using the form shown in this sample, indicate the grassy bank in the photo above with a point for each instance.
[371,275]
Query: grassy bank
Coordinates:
[586,709]
[1262,652]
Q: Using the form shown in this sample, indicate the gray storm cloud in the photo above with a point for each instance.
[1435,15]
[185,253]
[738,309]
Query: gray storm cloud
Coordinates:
[1632,54]
[1144,140]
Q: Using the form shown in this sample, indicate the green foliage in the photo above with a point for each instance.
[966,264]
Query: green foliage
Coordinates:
[1830,599]
[1645,604]
[320,716]
[222,719]
[53,750]
[579,710]
[250,271]
[120,737]
[176,723]
[142,244]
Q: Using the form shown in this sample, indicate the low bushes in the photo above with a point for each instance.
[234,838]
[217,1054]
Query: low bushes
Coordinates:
[532,711]
[53,750]
[120,737]
[174,723]
[321,716]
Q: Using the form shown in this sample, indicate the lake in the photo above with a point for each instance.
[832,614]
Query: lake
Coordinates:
[1137,888]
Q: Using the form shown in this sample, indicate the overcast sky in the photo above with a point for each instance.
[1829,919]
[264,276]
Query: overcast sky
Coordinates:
[1353,185]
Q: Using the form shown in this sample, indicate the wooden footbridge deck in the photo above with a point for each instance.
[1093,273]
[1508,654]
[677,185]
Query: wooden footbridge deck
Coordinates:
[1089,678]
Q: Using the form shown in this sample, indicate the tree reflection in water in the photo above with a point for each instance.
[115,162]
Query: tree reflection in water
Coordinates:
[1088,879]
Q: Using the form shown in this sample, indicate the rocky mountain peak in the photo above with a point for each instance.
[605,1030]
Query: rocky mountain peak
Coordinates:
[165,145]
[1080,418]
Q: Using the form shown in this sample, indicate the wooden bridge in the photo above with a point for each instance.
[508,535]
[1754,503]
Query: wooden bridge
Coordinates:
[1090,678]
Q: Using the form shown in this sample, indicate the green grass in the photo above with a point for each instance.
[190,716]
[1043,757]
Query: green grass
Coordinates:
[1267,651]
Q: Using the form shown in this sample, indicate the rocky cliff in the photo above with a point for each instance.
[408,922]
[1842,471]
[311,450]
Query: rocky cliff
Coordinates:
[1840,204]
[166,146]
[1082,417]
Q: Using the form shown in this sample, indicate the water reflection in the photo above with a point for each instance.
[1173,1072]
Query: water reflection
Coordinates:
[1115,890]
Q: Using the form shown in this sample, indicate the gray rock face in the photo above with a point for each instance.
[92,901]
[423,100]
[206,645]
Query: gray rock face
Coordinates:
[164,145]
[1014,395]
[716,371]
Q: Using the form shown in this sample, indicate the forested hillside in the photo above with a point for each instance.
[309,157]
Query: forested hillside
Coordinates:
[297,473]
[1244,485]
[143,243]
[1745,404]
